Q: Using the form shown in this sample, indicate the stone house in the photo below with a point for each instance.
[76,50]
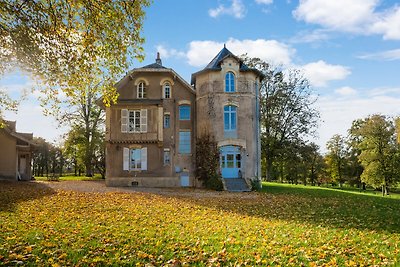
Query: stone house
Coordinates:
[151,131]
[15,153]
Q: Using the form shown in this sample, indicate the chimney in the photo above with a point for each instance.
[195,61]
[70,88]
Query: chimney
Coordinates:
[158,59]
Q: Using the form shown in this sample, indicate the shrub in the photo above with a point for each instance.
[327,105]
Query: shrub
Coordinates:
[207,162]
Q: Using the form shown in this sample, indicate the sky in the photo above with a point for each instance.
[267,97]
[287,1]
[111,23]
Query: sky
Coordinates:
[348,49]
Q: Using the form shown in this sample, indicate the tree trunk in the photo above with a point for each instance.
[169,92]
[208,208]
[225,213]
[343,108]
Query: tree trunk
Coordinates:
[75,167]
[269,168]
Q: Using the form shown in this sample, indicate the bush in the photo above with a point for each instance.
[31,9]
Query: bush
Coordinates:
[207,162]
[255,184]
[214,182]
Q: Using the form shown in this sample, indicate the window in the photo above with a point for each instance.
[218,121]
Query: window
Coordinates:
[184,112]
[135,159]
[229,82]
[141,90]
[184,142]
[167,157]
[167,90]
[230,118]
[167,120]
[134,121]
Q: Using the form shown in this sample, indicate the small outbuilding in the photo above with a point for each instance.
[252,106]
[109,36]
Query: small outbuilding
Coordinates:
[15,153]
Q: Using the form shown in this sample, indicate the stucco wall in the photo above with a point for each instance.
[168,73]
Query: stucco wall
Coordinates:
[210,102]
[157,138]
[8,165]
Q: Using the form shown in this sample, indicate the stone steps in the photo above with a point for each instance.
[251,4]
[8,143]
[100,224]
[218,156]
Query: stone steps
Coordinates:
[236,185]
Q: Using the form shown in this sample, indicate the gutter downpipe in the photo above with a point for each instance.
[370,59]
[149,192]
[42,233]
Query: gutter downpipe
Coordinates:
[257,136]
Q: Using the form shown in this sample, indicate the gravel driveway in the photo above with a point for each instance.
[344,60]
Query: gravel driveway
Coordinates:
[99,186]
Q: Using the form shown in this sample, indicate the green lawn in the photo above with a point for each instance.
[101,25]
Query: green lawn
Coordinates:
[281,226]
[69,178]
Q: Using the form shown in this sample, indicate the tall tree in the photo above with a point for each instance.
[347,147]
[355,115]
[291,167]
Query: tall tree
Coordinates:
[80,111]
[287,112]
[58,40]
[312,161]
[74,150]
[354,167]
[336,158]
[379,152]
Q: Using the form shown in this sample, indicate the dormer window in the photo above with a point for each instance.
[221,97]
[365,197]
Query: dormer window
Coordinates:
[167,90]
[141,90]
[229,82]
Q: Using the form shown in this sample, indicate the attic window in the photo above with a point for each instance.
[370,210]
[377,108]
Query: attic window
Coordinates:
[167,90]
[141,90]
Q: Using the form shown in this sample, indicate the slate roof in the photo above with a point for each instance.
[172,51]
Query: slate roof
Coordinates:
[215,64]
[153,66]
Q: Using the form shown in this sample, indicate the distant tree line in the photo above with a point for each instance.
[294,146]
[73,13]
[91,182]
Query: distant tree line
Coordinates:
[368,155]
[67,158]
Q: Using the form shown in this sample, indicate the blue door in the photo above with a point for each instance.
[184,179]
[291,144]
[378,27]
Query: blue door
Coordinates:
[231,161]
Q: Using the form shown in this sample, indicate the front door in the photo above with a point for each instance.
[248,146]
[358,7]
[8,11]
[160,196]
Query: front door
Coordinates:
[231,161]
[22,165]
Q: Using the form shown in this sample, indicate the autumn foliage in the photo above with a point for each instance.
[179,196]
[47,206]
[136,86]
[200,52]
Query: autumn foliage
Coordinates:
[207,162]
[283,226]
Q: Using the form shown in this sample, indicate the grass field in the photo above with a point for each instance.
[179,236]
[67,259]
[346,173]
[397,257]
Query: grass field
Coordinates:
[281,226]
[69,178]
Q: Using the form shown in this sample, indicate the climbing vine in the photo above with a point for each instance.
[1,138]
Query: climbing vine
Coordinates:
[207,162]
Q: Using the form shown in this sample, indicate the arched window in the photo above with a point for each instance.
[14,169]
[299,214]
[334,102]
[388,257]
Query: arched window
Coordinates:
[230,118]
[229,82]
[141,90]
[167,90]
[184,112]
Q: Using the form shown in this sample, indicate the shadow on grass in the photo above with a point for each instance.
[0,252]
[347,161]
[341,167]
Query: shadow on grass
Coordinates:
[316,206]
[13,192]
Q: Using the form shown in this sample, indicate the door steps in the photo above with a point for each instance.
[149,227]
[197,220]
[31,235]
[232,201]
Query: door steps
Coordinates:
[236,185]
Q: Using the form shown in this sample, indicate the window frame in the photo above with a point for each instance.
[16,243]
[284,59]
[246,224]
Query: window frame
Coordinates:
[230,82]
[134,120]
[167,85]
[167,157]
[167,118]
[141,90]
[182,116]
[139,122]
[138,161]
[185,142]
[230,118]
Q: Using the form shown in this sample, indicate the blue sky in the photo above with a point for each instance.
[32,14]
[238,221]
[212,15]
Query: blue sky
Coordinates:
[348,49]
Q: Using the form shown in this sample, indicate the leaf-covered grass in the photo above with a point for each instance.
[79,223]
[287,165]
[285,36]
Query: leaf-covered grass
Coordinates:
[70,178]
[287,226]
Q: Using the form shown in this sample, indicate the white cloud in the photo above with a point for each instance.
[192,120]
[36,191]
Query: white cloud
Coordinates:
[346,91]
[338,114]
[237,9]
[264,2]
[338,14]
[311,37]
[30,119]
[201,52]
[388,24]
[388,55]
[356,16]
[168,53]
[320,73]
